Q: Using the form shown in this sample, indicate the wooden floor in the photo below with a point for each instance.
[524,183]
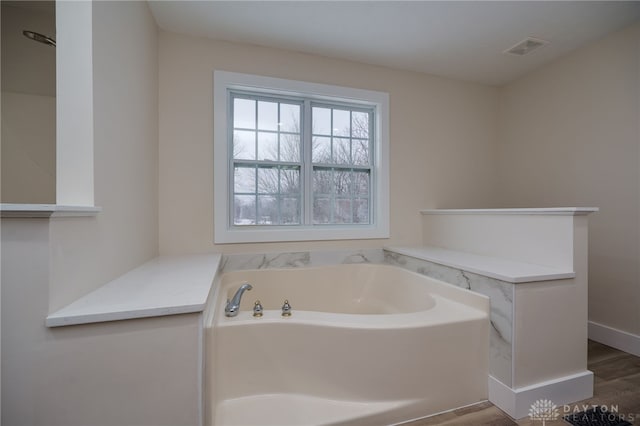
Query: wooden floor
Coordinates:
[617,382]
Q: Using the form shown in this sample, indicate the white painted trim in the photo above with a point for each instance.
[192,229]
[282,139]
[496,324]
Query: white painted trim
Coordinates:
[555,211]
[223,233]
[562,390]
[46,210]
[502,396]
[74,103]
[200,373]
[615,338]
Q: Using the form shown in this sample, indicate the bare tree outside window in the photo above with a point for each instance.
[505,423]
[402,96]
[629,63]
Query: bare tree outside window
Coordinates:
[341,163]
[266,152]
[269,168]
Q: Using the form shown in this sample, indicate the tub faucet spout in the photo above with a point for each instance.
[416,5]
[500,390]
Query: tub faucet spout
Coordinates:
[233,305]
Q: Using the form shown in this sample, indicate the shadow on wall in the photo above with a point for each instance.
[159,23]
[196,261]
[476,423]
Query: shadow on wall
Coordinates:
[28,104]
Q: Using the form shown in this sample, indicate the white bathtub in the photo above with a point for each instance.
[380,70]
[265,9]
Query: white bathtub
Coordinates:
[365,344]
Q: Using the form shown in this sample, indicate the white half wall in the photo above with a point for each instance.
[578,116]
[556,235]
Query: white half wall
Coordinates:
[88,252]
[112,373]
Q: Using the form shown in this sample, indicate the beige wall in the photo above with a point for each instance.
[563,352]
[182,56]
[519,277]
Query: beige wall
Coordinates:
[28,105]
[28,66]
[441,145]
[569,136]
[28,148]
[87,252]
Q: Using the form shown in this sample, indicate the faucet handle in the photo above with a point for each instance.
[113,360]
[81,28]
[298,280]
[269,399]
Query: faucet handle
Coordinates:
[286,309]
[257,309]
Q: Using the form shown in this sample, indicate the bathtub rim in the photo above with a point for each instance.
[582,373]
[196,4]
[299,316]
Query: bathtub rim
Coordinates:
[448,295]
[446,311]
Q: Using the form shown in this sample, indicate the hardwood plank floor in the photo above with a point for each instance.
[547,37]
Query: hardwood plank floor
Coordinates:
[617,382]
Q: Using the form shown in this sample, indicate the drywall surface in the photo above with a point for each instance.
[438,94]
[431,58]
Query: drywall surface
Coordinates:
[442,138]
[28,105]
[569,135]
[88,252]
[28,148]
[28,66]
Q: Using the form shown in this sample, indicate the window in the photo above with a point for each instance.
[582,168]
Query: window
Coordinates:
[266,151]
[298,161]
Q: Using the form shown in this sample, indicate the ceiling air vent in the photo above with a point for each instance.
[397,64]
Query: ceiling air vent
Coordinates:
[526,46]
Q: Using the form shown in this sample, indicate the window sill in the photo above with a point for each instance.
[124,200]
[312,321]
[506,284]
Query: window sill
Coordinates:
[284,234]
[46,210]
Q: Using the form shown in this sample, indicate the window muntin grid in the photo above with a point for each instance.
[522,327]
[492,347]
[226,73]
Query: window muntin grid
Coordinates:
[274,181]
[266,160]
[342,164]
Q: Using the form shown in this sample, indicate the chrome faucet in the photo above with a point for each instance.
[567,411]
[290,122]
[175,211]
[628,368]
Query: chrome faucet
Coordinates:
[286,309]
[233,305]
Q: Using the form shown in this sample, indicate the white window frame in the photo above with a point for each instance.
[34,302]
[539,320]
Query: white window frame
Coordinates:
[224,232]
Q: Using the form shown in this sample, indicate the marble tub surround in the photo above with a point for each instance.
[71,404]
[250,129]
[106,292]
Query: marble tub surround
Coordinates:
[499,292]
[239,262]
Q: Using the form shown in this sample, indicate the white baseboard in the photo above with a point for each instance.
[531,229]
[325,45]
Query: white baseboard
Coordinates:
[560,391]
[615,338]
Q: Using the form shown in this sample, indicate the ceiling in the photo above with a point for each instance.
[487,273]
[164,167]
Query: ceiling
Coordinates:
[458,39]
